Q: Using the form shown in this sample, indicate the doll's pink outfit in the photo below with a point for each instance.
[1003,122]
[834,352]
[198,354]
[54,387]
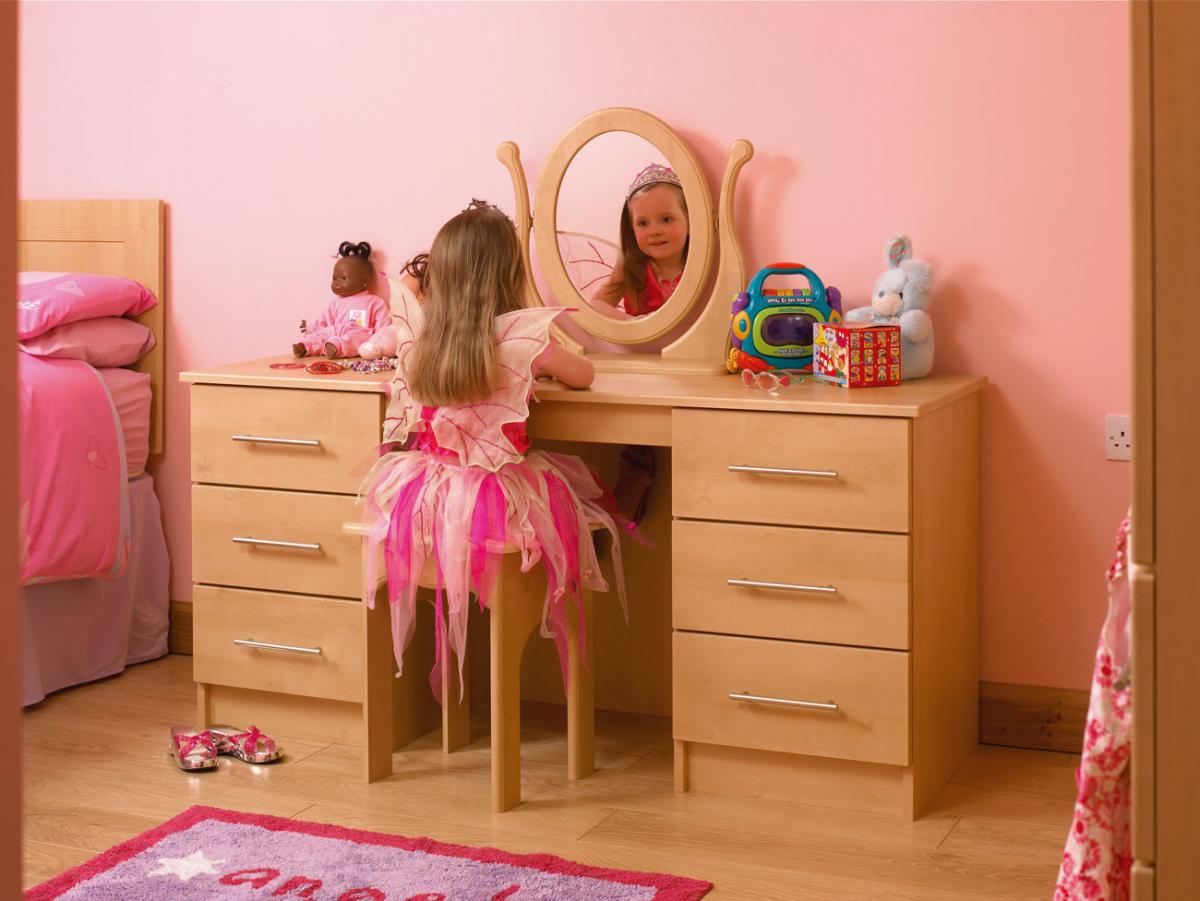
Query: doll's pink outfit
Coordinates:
[346,323]
[1095,864]
[468,489]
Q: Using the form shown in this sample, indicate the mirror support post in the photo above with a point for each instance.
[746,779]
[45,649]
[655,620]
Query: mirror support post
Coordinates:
[510,155]
[706,337]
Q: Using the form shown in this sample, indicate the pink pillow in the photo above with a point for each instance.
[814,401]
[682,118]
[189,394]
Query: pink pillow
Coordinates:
[110,341]
[48,299]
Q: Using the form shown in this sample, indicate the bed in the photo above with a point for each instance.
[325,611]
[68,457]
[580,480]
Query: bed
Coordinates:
[75,630]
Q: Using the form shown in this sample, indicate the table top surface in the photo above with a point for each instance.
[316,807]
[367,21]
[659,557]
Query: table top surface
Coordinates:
[659,389]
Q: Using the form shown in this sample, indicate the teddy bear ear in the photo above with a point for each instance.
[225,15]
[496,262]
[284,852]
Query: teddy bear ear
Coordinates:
[897,251]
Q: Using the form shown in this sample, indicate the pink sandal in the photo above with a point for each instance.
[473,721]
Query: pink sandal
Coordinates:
[249,745]
[192,750]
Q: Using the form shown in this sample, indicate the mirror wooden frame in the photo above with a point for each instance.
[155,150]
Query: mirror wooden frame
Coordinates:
[701,347]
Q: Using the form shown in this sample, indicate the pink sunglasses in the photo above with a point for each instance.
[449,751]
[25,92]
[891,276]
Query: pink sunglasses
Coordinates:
[770,381]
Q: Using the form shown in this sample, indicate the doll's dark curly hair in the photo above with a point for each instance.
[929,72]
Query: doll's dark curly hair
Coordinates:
[361,250]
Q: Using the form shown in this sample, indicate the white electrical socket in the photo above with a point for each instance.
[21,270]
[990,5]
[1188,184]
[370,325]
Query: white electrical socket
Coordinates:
[1118,439]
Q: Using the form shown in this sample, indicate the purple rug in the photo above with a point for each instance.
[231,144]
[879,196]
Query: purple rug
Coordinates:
[207,853]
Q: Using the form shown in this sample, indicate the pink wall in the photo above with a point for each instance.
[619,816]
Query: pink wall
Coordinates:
[995,134]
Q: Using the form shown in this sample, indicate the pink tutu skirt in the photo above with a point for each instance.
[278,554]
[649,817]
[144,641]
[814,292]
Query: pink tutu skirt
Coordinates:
[422,505]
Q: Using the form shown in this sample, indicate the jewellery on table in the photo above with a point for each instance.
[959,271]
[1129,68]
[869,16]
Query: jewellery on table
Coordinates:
[291,365]
[325,367]
[381,364]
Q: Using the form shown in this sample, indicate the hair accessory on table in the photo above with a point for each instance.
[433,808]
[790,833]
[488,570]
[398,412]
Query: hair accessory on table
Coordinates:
[324,367]
[292,365]
[652,175]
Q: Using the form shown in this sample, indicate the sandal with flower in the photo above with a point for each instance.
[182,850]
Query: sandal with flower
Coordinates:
[249,745]
[191,749]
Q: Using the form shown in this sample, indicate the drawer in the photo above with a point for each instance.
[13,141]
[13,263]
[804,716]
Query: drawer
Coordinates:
[308,440]
[834,587]
[843,472]
[266,525]
[332,628]
[869,687]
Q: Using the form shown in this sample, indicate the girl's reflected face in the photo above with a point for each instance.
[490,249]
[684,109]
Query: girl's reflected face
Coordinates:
[659,223]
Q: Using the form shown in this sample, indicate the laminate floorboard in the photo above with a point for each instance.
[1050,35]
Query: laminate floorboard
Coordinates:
[96,773]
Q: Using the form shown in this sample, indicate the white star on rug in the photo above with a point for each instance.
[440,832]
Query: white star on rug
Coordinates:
[185,867]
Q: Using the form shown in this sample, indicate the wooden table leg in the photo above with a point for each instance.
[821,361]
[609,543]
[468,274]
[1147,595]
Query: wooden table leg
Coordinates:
[581,695]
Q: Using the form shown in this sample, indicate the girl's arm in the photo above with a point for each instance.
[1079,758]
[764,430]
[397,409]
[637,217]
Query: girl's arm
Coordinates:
[608,295]
[612,290]
[568,367]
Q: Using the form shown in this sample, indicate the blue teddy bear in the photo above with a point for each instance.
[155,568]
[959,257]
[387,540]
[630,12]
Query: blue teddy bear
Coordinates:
[900,297]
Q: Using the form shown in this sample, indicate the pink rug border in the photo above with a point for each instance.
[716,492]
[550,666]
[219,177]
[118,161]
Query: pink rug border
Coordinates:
[670,888]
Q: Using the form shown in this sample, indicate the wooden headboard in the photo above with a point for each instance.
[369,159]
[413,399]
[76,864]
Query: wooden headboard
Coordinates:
[106,237]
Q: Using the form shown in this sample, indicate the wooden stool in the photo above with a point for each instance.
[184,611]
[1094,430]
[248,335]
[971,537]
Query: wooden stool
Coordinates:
[516,612]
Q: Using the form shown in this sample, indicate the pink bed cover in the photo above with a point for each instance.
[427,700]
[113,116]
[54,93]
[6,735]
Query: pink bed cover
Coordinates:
[75,632]
[130,392]
[73,515]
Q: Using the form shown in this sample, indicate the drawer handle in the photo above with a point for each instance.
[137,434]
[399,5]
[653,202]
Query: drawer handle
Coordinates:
[782,702]
[783,586]
[267,646]
[775,471]
[270,542]
[291,442]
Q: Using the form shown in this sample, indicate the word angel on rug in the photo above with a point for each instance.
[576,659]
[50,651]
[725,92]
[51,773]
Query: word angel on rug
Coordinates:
[208,853]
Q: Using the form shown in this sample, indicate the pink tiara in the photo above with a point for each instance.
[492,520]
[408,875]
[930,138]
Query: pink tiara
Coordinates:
[652,175]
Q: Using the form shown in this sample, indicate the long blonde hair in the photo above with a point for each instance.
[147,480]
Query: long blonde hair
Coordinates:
[474,274]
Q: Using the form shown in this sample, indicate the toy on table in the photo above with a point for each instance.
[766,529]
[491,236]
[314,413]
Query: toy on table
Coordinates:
[857,354]
[380,344]
[353,316]
[900,297]
[774,329]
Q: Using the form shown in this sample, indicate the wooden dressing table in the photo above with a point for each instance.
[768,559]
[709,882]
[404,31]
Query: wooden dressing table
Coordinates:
[820,641]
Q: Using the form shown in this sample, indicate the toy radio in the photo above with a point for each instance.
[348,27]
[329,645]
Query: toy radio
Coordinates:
[774,329]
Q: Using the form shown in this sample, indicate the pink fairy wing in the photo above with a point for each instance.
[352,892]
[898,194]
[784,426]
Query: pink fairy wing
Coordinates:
[588,259]
[403,412]
[475,431]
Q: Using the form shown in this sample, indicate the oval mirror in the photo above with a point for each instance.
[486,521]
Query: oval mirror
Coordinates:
[580,197]
[590,202]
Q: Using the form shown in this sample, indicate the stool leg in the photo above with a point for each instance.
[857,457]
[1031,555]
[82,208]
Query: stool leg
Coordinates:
[516,609]
[456,714]
[581,697]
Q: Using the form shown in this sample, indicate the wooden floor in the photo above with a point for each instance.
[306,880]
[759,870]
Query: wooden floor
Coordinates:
[96,773]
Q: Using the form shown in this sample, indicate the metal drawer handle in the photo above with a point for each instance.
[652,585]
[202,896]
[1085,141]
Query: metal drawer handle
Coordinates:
[783,586]
[775,471]
[782,702]
[291,442]
[267,646]
[270,542]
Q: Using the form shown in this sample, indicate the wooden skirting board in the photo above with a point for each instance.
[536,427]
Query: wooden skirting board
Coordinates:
[1032,716]
[1017,716]
[179,637]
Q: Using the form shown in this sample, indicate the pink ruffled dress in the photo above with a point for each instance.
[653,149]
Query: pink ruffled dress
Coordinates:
[468,490]
[1096,861]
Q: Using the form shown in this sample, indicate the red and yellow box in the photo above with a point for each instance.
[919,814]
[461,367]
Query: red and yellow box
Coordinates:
[857,354]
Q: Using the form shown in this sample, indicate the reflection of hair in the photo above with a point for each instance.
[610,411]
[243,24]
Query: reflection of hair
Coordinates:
[634,261]
[418,268]
[474,273]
